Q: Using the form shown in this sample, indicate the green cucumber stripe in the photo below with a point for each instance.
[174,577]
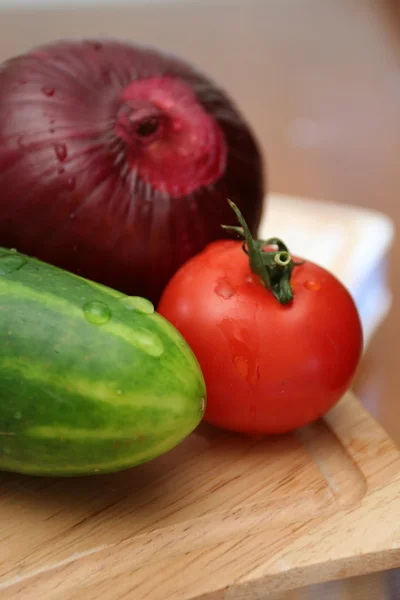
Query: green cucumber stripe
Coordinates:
[99,391]
[53,302]
[55,432]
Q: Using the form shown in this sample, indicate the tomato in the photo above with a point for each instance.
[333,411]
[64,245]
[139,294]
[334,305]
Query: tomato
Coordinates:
[269,367]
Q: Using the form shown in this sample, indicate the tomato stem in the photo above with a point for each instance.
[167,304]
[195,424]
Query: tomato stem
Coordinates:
[274,267]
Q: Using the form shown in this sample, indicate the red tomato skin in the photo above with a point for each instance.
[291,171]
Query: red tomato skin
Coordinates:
[268,368]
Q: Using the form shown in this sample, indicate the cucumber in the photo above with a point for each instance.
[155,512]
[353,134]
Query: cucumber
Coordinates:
[91,380]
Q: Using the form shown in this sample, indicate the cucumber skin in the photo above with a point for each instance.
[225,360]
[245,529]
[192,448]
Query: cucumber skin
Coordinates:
[77,398]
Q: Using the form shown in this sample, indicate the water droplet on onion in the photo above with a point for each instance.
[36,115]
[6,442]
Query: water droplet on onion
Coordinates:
[48,91]
[97,312]
[70,183]
[61,151]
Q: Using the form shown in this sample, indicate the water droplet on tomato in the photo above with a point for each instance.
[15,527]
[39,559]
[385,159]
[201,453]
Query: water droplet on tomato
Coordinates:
[137,303]
[224,289]
[61,151]
[11,262]
[48,91]
[314,286]
[96,312]
[245,358]
[254,374]
[241,366]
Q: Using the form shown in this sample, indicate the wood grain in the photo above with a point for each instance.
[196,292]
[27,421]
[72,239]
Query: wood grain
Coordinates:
[221,516]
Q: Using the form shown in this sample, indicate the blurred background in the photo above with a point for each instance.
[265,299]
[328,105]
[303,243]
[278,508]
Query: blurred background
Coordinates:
[319,81]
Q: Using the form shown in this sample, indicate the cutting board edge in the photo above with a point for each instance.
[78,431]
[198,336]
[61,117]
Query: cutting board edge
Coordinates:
[273,573]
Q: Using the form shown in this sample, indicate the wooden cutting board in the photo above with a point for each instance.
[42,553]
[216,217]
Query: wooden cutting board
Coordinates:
[221,516]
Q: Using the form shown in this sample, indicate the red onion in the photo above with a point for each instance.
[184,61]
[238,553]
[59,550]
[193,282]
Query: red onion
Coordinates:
[116,162]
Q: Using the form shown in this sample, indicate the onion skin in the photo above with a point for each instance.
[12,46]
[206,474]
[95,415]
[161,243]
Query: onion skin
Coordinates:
[116,162]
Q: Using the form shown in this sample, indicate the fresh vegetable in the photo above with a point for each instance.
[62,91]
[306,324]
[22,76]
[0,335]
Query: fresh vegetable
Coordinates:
[278,339]
[116,161]
[91,380]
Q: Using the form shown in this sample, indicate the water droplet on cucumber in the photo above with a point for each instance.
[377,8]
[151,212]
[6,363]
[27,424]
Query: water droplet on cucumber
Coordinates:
[11,262]
[96,312]
[137,303]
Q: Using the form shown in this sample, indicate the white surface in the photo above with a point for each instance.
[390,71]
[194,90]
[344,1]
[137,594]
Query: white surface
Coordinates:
[351,242]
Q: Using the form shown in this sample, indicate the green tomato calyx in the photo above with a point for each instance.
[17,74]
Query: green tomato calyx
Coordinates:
[274,267]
